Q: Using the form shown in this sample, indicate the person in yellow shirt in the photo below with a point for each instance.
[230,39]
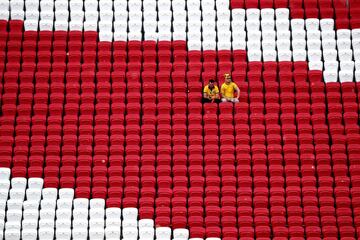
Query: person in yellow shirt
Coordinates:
[211,93]
[229,89]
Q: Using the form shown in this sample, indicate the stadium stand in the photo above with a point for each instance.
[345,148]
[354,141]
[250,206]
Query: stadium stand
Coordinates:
[103,134]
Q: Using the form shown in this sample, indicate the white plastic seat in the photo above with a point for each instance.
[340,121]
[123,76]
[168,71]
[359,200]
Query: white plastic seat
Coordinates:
[150,36]
[328,44]
[165,16]
[269,35]
[96,233]
[47,15]
[254,55]
[48,204]
[313,34]
[283,44]
[148,5]
[81,203]
[282,25]
[46,233]
[61,26]
[165,26]
[282,13]
[224,45]
[195,239]
[298,55]
[47,214]
[113,213]
[18,183]
[193,4]
[343,34]
[97,203]
[357,55]
[2,205]
[209,35]
[284,55]
[345,54]
[14,204]
[143,223]
[314,55]
[209,15]
[49,193]
[238,14]
[222,5]
[178,26]
[254,35]
[113,222]
[343,44]
[238,25]
[12,234]
[91,5]
[251,25]
[206,45]
[80,213]
[146,233]
[105,26]
[112,233]
[31,214]
[348,66]
[61,5]
[47,5]
[120,36]
[252,14]
[267,24]
[346,76]
[297,24]
[12,225]
[318,65]
[283,35]
[4,15]
[130,233]
[253,45]
[299,44]
[135,16]
[13,215]
[207,4]
[97,213]
[33,194]
[63,224]
[194,16]
[328,35]
[64,203]
[330,55]
[36,183]
[66,193]
[80,233]
[239,35]
[31,204]
[29,224]
[331,66]
[4,194]
[179,16]
[120,27]
[268,45]
[224,15]
[31,5]
[357,76]
[4,184]
[2,214]
[32,16]
[163,5]
[128,223]
[79,223]
[163,233]
[96,222]
[135,5]
[314,44]
[224,36]
[46,223]
[194,27]
[178,4]
[312,24]
[267,14]
[355,34]
[63,214]
[90,26]
[326,24]
[298,35]
[134,36]
[357,65]
[46,25]
[106,5]
[269,55]
[356,44]
[63,233]
[63,15]
[134,26]
[76,5]
[17,194]
[106,16]
[130,213]
[121,16]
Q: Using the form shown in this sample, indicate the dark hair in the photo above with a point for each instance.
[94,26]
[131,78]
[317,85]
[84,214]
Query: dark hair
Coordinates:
[212,80]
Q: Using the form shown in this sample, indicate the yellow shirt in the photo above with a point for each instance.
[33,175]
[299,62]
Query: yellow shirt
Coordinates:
[228,90]
[211,92]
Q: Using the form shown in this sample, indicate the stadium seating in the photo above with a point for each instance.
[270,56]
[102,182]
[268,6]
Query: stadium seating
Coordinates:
[104,134]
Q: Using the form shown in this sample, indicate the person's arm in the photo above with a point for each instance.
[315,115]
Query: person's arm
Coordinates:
[206,95]
[222,90]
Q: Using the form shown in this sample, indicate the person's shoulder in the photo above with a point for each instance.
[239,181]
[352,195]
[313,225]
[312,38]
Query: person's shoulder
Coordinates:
[217,88]
[206,88]
[233,84]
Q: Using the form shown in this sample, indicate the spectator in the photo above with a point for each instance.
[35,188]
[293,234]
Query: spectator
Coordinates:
[229,89]
[211,93]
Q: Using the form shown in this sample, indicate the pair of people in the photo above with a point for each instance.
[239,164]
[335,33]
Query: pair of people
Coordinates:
[230,92]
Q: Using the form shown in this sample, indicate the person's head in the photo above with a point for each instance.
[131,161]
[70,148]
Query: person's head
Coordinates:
[211,83]
[227,78]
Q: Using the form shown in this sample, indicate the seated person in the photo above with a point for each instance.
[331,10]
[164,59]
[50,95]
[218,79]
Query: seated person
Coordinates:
[211,93]
[229,89]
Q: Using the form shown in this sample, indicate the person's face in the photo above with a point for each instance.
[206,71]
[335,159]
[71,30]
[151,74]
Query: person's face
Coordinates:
[211,84]
[228,80]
